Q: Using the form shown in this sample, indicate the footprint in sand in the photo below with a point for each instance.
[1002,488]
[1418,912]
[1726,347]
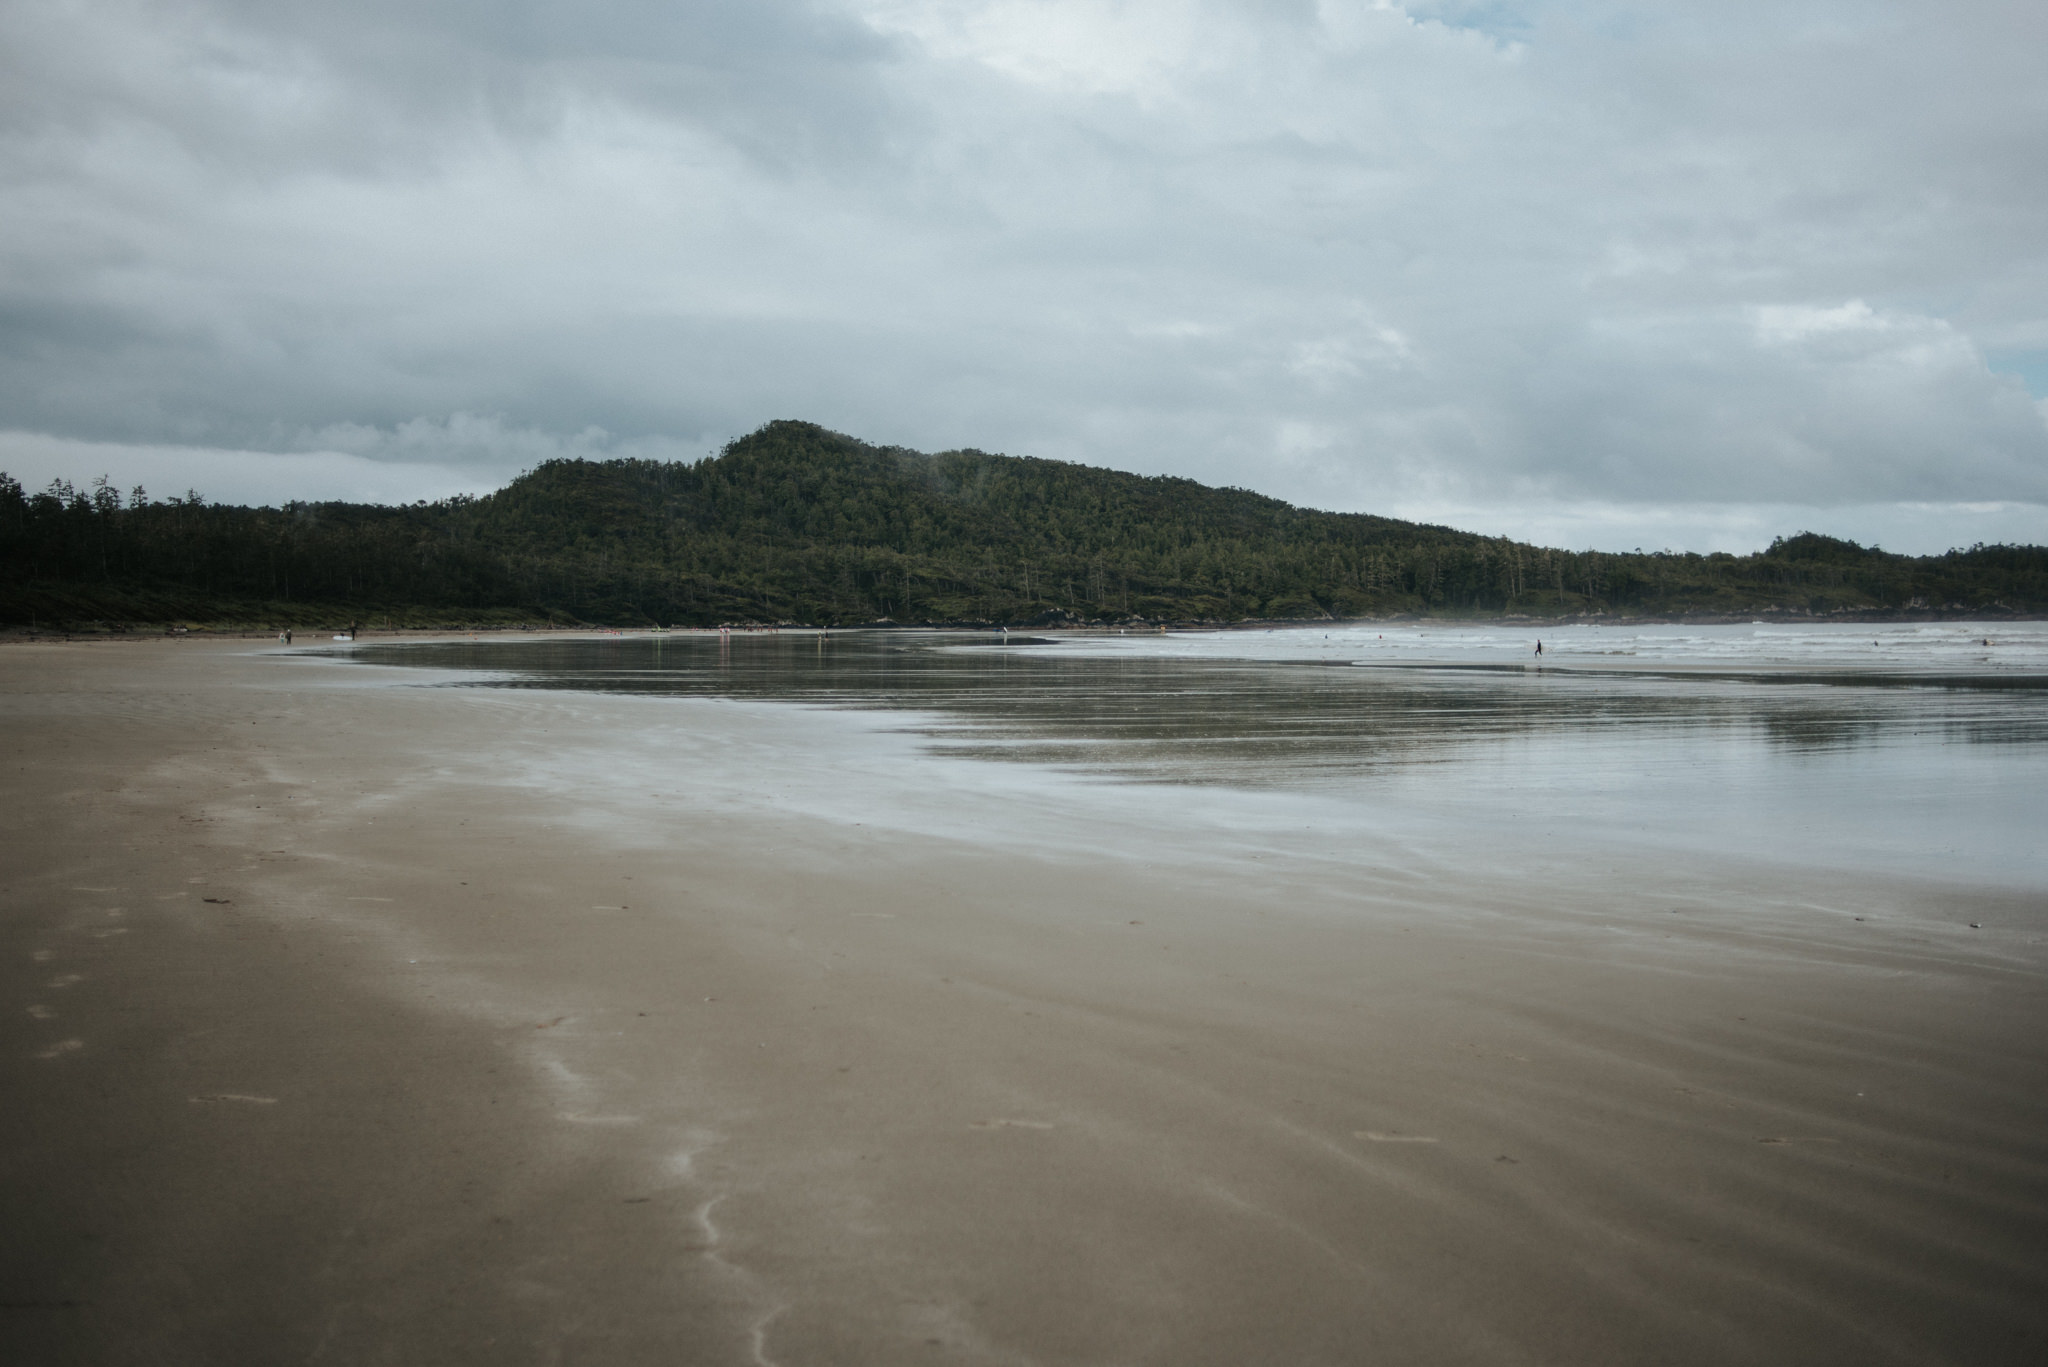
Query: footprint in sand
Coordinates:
[1393,1137]
[63,980]
[43,956]
[41,1012]
[62,1047]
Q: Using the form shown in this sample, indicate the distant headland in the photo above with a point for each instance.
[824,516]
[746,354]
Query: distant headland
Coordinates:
[796,524]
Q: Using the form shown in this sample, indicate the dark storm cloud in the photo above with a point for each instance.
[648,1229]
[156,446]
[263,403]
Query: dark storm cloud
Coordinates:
[1598,271]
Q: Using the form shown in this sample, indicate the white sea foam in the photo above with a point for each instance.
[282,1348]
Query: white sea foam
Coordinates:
[1904,647]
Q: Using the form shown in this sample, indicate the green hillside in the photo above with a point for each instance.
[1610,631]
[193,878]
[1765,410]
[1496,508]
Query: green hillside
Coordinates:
[797,524]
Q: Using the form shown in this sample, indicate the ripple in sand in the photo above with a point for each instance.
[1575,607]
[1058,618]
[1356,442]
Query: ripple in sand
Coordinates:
[1797,1139]
[586,1118]
[1006,1124]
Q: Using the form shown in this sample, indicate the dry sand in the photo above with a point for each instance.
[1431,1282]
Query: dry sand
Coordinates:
[355,1022]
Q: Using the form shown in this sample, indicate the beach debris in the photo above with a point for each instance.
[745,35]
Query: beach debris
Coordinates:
[1393,1137]
[1976,925]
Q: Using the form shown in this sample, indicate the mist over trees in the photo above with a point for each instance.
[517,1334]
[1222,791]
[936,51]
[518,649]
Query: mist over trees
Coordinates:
[797,524]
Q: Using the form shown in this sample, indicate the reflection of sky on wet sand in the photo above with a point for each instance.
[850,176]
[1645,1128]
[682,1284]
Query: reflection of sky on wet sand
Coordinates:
[1784,748]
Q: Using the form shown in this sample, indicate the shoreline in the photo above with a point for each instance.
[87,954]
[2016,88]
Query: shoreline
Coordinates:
[444,1025]
[1769,616]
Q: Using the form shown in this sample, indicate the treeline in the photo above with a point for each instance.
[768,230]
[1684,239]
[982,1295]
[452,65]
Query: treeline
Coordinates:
[797,524]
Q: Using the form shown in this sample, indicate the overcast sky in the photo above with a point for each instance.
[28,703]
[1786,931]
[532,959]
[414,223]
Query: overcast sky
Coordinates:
[1593,273]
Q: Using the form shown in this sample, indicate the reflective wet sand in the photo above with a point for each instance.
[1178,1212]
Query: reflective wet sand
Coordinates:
[1927,763]
[1018,1009]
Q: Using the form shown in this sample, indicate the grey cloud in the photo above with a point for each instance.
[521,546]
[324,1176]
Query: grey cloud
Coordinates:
[286,85]
[1469,252]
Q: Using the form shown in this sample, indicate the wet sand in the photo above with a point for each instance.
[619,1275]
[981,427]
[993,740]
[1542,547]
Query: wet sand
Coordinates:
[355,1021]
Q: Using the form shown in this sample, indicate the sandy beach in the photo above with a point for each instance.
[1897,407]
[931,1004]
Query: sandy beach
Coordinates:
[352,1020]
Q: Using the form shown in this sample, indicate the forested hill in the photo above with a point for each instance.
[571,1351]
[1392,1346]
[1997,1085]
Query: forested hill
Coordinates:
[797,524]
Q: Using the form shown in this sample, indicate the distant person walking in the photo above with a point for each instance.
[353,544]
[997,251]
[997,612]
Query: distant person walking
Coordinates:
[1539,645]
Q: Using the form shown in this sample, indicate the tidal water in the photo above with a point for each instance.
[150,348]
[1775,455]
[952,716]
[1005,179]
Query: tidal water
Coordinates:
[1919,751]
